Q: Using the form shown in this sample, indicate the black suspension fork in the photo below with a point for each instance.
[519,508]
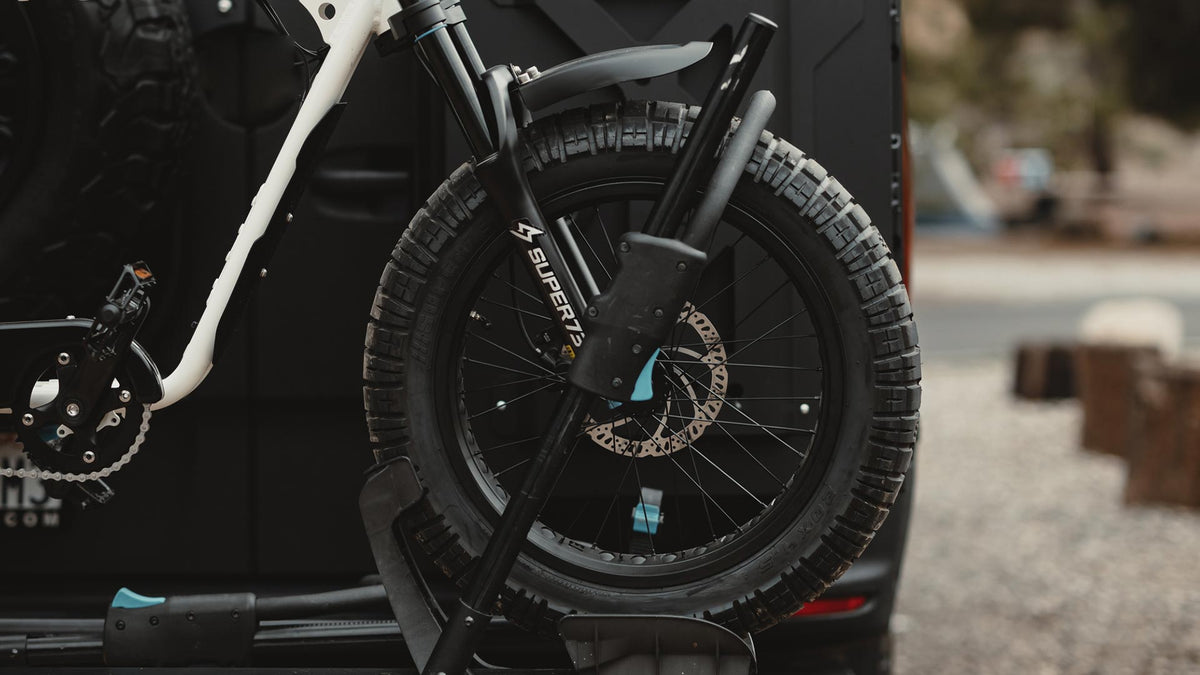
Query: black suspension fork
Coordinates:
[484,111]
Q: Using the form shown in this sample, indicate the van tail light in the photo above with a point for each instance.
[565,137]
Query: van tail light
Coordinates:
[831,606]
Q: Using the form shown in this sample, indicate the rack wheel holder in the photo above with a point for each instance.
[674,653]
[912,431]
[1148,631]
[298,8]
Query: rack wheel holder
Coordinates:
[599,644]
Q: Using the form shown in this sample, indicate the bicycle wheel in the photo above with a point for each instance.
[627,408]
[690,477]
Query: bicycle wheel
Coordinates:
[785,405]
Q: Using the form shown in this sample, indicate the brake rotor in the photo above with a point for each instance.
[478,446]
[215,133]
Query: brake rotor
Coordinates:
[687,401]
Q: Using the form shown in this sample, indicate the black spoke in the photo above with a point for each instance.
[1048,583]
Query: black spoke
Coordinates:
[507,445]
[510,352]
[774,328]
[742,446]
[761,304]
[497,366]
[765,427]
[588,244]
[515,308]
[616,495]
[505,404]
[499,385]
[734,342]
[520,290]
[638,476]
[742,364]
[607,237]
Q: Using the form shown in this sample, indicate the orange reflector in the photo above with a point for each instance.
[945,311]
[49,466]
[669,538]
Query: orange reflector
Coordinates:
[832,606]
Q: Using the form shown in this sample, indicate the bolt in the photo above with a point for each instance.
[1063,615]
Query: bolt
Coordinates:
[125,396]
[191,616]
[223,6]
[262,274]
[501,405]
[658,313]
[64,358]
[637,349]
[592,311]
[27,419]
[236,613]
[617,382]
[89,456]
[288,218]
[682,266]
[72,409]
[624,247]
[470,621]
[154,621]
[804,408]
[120,625]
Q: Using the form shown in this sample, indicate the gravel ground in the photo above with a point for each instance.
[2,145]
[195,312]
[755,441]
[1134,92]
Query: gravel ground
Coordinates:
[1022,558]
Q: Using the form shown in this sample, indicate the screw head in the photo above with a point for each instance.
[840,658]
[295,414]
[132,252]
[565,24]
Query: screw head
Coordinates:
[592,311]
[89,456]
[235,613]
[470,621]
[120,624]
[624,246]
[658,313]
[637,349]
[804,408]
[223,6]
[73,409]
[154,621]
[191,616]
[64,358]
[27,419]
[125,396]
[682,266]
[617,382]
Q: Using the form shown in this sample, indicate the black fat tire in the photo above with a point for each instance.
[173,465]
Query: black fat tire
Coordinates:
[876,435]
[121,90]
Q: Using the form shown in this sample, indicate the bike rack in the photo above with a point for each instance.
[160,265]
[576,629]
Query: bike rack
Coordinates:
[226,630]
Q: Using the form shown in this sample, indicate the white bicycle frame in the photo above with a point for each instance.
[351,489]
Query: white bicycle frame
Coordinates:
[347,26]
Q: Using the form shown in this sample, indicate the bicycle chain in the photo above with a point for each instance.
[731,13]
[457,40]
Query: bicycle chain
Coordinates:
[95,475]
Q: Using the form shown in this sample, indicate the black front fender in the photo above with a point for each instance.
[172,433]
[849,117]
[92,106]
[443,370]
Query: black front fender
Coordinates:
[608,68]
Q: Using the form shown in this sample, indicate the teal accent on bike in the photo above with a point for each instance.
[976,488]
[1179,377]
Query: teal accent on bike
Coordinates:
[612,405]
[643,389]
[431,31]
[646,518]
[127,599]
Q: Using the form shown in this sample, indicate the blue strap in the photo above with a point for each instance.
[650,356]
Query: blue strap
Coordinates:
[431,31]
[643,389]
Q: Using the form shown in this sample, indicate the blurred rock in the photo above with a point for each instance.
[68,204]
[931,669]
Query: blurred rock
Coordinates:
[1164,448]
[1138,322]
[1045,371]
[1105,377]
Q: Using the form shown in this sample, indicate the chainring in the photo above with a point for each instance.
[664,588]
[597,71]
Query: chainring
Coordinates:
[64,451]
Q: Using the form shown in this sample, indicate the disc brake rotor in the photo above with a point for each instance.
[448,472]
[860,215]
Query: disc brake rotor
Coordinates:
[692,399]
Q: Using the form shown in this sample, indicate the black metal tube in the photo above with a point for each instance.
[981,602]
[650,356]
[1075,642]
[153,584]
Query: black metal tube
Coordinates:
[460,638]
[733,163]
[439,55]
[316,604]
[466,48]
[698,157]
